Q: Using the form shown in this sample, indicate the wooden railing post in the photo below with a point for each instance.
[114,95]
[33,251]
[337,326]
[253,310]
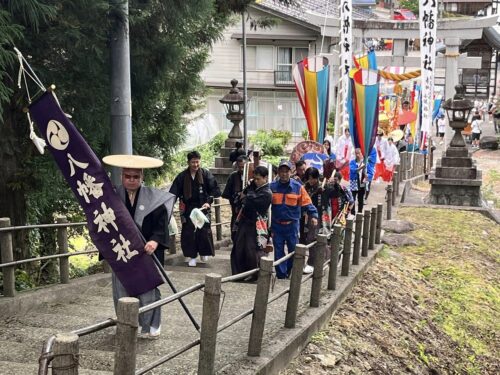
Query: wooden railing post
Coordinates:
[260,307]
[378,232]
[105,266]
[334,257]
[366,233]
[62,245]
[295,284]
[346,252]
[9,273]
[373,228]
[358,230]
[431,155]
[319,260]
[127,316]
[65,350]
[209,322]
[395,187]
[218,227]
[172,247]
[389,202]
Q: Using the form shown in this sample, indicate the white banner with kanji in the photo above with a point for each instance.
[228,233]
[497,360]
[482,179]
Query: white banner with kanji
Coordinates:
[428,28]
[346,24]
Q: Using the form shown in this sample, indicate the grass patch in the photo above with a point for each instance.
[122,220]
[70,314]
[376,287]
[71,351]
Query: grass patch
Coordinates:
[490,189]
[459,258]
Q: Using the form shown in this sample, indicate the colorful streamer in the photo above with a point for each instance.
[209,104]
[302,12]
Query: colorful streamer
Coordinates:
[311,77]
[363,108]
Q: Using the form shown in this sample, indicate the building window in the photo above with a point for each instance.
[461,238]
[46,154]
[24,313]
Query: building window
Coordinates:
[288,56]
[451,7]
[259,57]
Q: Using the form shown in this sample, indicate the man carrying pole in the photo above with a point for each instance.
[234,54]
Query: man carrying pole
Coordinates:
[151,210]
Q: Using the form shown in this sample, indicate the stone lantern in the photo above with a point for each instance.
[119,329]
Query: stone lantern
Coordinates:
[456,180]
[233,102]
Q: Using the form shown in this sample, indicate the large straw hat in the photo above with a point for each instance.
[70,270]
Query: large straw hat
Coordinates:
[396,135]
[132,161]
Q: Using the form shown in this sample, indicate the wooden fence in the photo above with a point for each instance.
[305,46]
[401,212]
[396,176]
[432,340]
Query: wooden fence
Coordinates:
[61,253]
[358,239]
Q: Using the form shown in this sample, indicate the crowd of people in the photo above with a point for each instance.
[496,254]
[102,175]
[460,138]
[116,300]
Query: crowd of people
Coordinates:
[275,214]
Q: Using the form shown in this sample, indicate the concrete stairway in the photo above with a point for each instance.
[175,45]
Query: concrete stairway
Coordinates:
[223,167]
[22,336]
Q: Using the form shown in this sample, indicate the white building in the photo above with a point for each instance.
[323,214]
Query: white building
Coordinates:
[271,55]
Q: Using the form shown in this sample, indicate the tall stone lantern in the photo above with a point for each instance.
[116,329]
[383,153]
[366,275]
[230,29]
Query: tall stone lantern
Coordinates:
[456,180]
[233,102]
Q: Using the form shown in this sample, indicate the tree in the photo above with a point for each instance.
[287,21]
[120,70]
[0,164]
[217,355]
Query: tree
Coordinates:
[66,42]
[410,5]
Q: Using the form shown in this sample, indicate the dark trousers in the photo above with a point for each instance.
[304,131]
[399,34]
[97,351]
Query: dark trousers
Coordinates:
[360,194]
[196,241]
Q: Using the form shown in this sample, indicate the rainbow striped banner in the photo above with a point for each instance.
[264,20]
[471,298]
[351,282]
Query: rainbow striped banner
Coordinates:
[311,77]
[362,105]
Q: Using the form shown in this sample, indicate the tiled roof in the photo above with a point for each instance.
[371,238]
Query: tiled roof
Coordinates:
[330,7]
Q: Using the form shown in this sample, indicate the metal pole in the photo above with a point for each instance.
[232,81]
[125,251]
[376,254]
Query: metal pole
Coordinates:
[171,285]
[121,97]
[245,93]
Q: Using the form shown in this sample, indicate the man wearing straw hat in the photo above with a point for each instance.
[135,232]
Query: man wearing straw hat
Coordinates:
[151,210]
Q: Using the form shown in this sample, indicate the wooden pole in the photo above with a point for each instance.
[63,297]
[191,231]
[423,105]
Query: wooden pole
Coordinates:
[358,230]
[218,228]
[389,202]
[209,322]
[62,245]
[334,257]
[319,260]
[9,276]
[366,233]
[378,233]
[295,284]
[127,322]
[65,350]
[346,252]
[172,248]
[373,228]
[260,307]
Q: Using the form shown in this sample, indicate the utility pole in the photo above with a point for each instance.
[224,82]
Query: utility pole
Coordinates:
[121,96]
[245,96]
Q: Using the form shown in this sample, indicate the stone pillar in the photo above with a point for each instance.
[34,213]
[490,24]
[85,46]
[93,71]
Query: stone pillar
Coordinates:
[451,58]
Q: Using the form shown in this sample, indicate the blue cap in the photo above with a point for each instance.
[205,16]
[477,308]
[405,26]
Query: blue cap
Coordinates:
[285,163]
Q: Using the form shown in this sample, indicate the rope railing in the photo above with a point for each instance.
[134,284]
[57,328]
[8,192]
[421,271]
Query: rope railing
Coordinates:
[46,257]
[8,267]
[213,291]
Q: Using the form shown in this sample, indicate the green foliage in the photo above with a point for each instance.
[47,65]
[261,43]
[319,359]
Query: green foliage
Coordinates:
[305,134]
[23,280]
[410,5]
[283,135]
[208,152]
[271,143]
[67,43]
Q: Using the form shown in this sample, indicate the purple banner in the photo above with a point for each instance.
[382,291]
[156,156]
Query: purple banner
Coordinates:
[110,225]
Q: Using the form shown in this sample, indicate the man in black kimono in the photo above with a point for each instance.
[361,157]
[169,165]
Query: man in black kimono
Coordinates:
[256,199]
[232,190]
[151,210]
[195,187]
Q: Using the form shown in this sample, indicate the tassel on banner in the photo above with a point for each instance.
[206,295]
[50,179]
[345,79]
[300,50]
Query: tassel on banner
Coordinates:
[37,141]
